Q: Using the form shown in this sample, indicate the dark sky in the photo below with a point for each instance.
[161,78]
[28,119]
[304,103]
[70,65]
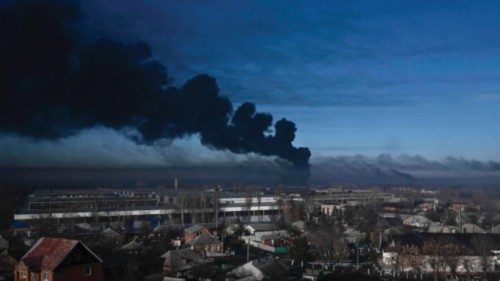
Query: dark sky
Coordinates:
[357,77]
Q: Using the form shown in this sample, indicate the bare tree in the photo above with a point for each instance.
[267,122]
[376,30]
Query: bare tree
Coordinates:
[259,203]
[95,210]
[144,229]
[411,194]
[467,263]
[433,251]
[248,203]
[46,225]
[204,204]
[194,208]
[321,241]
[377,233]
[71,215]
[308,208]
[340,249]
[451,256]
[279,202]
[411,260]
[215,204]
[291,212]
[482,245]
[182,202]
[398,260]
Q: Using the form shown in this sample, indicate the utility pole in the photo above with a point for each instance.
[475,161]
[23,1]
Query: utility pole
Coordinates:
[357,256]
[217,206]
[222,243]
[50,202]
[248,249]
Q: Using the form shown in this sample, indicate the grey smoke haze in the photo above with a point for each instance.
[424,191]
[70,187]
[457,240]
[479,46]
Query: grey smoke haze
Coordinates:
[404,169]
[102,155]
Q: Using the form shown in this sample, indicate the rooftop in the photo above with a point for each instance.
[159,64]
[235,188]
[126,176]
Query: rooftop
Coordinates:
[194,228]
[263,227]
[204,239]
[48,253]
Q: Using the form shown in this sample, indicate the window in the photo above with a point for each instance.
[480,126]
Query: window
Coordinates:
[23,274]
[34,277]
[88,270]
[45,276]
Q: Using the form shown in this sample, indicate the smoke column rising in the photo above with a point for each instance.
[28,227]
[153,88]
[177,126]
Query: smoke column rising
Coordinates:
[53,84]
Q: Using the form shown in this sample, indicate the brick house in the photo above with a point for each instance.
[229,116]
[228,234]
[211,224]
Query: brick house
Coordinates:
[205,243]
[57,259]
[194,231]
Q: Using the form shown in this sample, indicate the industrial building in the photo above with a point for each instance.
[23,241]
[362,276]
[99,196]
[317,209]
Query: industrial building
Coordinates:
[133,207]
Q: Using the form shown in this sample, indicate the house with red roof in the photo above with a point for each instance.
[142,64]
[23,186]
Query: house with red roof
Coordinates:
[58,259]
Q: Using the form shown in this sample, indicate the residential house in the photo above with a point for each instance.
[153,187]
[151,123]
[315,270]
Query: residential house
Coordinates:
[276,241]
[270,268]
[427,206]
[496,229]
[354,236]
[437,228]
[465,217]
[459,207]
[392,231]
[417,221]
[133,247]
[395,207]
[182,260]
[205,243]
[268,237]
[472,228]
[261,229]
[391,221]
[193,231]
[111,237]
[329,209]
[57,259]
[463,206]
[428,253]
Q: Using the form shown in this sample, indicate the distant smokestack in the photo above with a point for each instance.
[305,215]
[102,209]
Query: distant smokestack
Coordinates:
[176,184]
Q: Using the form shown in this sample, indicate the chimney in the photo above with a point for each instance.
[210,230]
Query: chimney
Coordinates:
[176,184]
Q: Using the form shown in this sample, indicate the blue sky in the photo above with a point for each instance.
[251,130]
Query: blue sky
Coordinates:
[414,77]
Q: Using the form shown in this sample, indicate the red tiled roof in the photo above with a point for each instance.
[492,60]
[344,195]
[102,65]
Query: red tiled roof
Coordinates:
[48,253]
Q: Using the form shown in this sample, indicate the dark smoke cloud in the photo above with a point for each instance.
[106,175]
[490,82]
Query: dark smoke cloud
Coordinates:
[53,85]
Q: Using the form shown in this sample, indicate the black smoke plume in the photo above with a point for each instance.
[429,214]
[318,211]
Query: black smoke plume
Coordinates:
[53,84]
